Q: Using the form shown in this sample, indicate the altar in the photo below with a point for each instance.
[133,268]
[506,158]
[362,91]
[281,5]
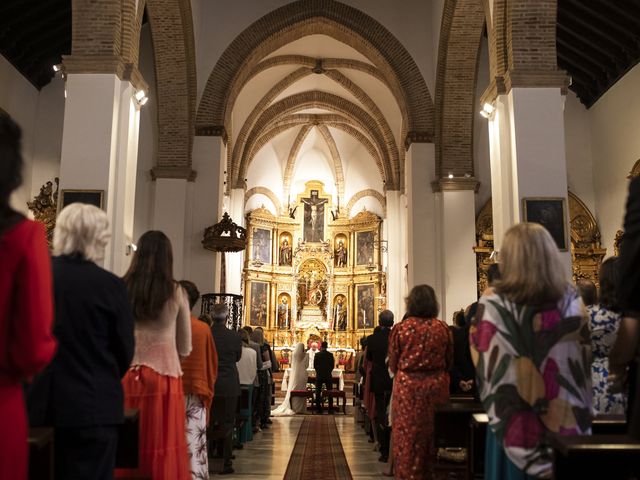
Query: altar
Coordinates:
[336,373]
[314,273]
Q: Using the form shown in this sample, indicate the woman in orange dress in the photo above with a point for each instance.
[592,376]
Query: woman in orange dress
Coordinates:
[420,354]
[26,307]
[153,384]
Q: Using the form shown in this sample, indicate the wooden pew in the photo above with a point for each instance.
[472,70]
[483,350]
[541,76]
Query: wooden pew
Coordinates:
[40,440]
[609,425]
[596,456]
[451,430]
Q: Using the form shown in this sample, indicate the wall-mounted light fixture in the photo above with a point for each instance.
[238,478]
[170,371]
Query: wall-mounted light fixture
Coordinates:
[131,247]
[141,97]
[487,110]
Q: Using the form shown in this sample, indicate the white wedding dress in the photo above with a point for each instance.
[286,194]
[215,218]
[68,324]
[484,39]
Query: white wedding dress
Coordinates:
[297,381]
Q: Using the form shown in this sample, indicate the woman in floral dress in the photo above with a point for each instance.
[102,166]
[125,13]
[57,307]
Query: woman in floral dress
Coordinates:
[605,320]
[420,355]
[530,343]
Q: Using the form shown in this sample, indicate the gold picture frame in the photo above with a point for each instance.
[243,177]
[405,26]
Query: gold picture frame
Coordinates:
[551,213]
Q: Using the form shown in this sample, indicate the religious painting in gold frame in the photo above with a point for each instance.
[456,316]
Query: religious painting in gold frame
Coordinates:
[364,247]
[551,213]
[261,245]
[259,304]
[365,305]
[285,250]
[283,311]
[340,314]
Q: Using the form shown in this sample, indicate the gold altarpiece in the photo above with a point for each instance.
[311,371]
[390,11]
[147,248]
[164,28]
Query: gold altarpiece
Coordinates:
[312,274]
[586,250]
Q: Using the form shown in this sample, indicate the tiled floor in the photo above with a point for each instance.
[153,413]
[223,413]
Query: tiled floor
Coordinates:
[267,456]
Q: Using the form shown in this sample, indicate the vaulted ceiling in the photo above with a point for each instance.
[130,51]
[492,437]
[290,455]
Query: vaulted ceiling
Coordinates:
[598,41]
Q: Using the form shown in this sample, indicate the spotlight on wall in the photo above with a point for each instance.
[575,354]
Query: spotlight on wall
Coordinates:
[141,97]
[131,247]
[487,110]
[450,175]
[57,67]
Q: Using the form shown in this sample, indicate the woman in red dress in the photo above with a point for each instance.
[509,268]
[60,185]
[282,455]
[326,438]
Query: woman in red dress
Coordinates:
[26,307]
[420,354]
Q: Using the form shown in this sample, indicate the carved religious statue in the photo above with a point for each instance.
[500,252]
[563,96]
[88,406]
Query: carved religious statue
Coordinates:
[285,253]
[283,313]
[341,255]
[314,290]
[340,314]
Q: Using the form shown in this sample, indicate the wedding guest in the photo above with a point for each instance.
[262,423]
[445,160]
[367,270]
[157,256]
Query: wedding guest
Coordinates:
[420,355]
[381,385]
[264,394]
[26,308]
[462,372]
[623,363]
[200,370]
[588,291]
[153,384]
[80,393]
[255,411]
[247,373]
[530,342]
[227,386]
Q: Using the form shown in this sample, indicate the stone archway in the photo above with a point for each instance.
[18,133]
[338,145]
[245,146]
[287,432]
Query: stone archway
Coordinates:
[307,17]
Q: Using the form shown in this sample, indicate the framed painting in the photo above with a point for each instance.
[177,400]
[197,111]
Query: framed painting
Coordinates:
[365,296]
[551,213]
[261,245]
[92,197]
[364,248]
[259,304]
[313,229]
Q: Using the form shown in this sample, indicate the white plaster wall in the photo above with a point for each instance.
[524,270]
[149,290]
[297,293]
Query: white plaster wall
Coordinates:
[615,146]
[19,99]
[578,147]
[148,139]
[49,122]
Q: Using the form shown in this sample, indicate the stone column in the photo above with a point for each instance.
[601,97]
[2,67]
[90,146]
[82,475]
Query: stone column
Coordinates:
[395,258]
[527,147]
[100,149]
[457,237]
[208,159]
[235,261]
[422,218]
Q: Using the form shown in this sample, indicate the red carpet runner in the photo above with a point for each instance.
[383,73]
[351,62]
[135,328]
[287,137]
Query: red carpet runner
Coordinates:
[318,453]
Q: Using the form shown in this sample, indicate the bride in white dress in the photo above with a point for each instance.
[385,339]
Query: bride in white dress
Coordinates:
[297,381]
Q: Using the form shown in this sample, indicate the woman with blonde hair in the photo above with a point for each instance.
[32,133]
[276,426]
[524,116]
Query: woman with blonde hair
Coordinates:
[80,392]
[153,384]
[530,343]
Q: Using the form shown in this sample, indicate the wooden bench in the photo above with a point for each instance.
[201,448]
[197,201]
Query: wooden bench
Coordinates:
[308,394]
[451,430]
[595,456]
[40,441]
[338,395]
[609,425]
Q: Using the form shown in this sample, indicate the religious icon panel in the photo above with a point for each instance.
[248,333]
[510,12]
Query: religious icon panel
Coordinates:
[340,253]
[285,250]
[340,313]
[364,250]
[365,303]
[262,245]
[313,217]
[258,309]
[284,311]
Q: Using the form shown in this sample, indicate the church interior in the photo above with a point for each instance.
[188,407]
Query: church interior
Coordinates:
[312,161]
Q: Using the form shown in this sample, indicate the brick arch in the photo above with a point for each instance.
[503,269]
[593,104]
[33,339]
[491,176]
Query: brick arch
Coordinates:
[326,63]
[267,193]
[460,37]
[316,99]
[369,192]
[329,17]
[397,156]
[173,44]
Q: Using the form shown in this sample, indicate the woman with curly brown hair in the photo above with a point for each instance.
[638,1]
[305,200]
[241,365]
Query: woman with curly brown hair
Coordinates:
[420,355]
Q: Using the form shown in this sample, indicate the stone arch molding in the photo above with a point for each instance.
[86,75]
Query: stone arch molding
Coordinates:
[369,192]
[308,17]
[267,193]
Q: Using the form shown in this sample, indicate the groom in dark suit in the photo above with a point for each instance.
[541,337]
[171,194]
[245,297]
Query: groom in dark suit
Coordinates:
[323,363]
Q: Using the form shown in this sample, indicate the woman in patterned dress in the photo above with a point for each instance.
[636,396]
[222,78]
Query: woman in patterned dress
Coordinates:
[420,355]
[530,343]
[605,320]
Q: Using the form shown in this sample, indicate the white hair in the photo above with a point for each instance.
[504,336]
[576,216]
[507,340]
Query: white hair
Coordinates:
[81,229]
